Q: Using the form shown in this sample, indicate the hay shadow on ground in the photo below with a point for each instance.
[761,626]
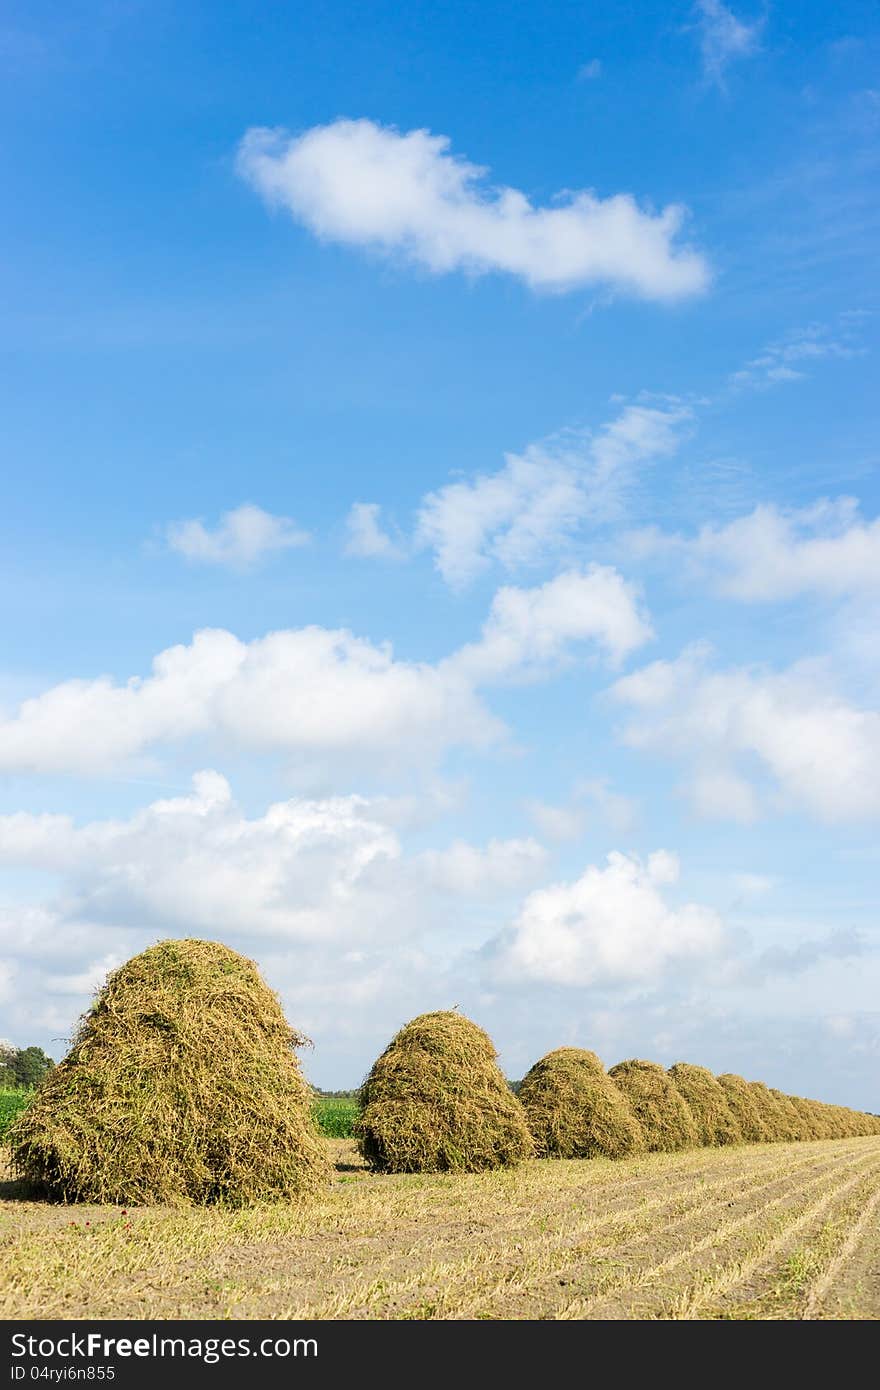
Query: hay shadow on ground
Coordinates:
[17,1190]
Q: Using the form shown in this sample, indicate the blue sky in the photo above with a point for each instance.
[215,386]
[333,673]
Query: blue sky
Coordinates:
[440,540]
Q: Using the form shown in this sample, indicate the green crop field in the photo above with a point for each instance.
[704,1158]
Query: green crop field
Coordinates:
[336,1116]
[11,1102]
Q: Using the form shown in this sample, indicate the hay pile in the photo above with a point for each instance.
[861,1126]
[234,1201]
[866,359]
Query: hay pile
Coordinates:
[664,1116]
[770,1113]
[812,1122]
[795,1127]
[436,1100]
[574,1110]
[707,1102]
[182,1086]
[744,1108]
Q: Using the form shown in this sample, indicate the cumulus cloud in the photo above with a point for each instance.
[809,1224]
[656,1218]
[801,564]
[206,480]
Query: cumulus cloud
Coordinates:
[741,727]
[724,38]
[321,890]
[363,184]
[535,503]
[315,693]
[240,539]
[366,537]
[529,630]
[197,863]
[774,554]
[610,926]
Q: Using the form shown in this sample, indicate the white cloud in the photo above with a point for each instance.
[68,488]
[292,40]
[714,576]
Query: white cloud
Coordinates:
[772,554]
[240,540]
[364,184]
[819,752]
[86,981]
[536,502]
[529,630]
[198,864]
[588,72]
[308,871]
[314,693]
[304,693]
[501,866]
[610,926]
[724,38]
[366,537]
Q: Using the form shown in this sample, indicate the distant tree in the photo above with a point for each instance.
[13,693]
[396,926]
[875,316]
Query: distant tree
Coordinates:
[7,1064]
[30,1066]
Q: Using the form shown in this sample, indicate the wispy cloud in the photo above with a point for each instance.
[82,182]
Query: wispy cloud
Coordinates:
[588,72]
[789,358]
[240,539]
[528,511]
[724,38]
[367,537]
[363,184]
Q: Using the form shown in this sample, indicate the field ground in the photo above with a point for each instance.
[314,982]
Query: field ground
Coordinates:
[782,1231]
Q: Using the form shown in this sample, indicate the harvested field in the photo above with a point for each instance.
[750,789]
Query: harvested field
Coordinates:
[766,1231]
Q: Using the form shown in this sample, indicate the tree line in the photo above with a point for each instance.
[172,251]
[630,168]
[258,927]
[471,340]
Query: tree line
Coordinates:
[22,1066]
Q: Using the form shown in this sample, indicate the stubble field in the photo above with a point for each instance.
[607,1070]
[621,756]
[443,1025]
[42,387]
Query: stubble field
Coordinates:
[782,1231]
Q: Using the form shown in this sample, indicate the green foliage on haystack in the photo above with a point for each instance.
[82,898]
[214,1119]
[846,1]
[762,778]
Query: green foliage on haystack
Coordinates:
[713,1116]
[574,1110]
[436,1100]
[664,1116]
[182,1086]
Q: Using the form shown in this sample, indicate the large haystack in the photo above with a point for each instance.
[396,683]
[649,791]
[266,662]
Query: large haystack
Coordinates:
[182,1086]
[813,1124]
[664,1116]
[708,1104]
[574,1110]
[745,1108]
[771,1113]
[796,1127]
[436,1100]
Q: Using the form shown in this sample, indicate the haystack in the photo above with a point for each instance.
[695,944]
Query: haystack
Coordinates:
[745,1108]
[664,1116]
[708,1104]
[574,1110]
[813,1123]
[436,1100]
[182,1086]
[774,1117]
[795,1124]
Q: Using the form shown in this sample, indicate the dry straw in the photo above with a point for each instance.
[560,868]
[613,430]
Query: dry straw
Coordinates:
[664,1116]
[182,1086]
[795,1125]
[713,1116]
[436,1100]
[745,1108]
[768,1110]
[574,1110]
